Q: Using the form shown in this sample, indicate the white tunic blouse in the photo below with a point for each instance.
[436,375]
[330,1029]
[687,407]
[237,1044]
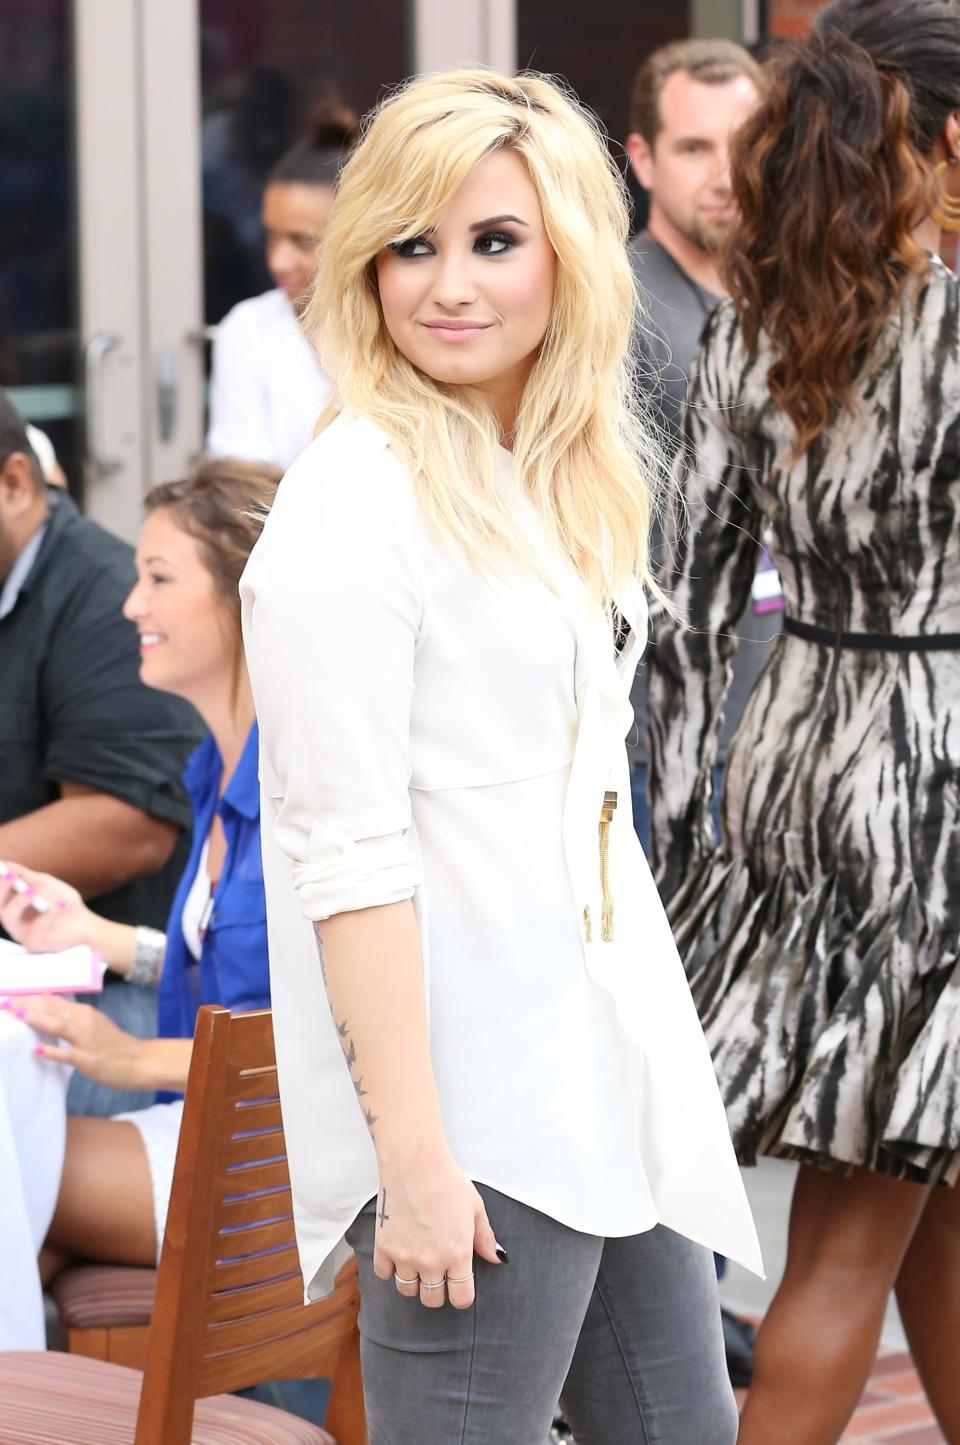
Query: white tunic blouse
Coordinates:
[430,732]
[266,386]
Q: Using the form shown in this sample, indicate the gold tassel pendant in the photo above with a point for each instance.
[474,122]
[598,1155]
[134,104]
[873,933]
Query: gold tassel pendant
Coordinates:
[606,912]
[606,818]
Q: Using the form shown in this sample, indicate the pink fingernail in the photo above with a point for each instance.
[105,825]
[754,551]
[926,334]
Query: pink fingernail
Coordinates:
[39,1049]
[30,890]
[6,1003]
[61,903]
[20,1013]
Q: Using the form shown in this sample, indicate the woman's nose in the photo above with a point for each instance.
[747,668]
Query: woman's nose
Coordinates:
[283,258]
[133,604]
[453,281]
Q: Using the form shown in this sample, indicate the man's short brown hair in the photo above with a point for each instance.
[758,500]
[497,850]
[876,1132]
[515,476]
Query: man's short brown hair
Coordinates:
[712,62]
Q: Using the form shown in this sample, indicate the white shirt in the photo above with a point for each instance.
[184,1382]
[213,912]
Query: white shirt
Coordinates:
[433,733]
[197,906]
[266,386]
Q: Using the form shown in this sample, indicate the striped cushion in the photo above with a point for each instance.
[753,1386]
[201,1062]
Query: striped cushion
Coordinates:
[100,1295]
[50,1399]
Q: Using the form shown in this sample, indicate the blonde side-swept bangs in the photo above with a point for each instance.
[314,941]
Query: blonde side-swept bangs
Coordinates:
[588,460]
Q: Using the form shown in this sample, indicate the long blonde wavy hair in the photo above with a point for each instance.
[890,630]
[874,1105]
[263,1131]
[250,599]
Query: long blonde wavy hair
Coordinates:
[583,455]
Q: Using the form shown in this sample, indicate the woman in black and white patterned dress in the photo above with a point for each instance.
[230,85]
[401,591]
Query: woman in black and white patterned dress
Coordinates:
[821,937]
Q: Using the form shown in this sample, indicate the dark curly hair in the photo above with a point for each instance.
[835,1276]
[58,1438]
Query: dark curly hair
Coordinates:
[832,175]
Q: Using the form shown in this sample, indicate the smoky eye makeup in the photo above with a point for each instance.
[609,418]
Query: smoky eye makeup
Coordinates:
[496,242]
[410,247]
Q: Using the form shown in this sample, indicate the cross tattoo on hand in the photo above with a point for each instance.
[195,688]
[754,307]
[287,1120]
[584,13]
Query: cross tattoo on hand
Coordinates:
[383,1216]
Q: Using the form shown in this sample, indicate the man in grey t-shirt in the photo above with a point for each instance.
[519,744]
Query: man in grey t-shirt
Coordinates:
[688,100]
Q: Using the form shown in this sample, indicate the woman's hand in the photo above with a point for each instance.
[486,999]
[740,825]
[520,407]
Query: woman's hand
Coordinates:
[86,1038]
[430,1222]
[66,921]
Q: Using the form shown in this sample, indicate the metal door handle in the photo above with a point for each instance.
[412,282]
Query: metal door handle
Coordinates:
[166,393]
[93,353]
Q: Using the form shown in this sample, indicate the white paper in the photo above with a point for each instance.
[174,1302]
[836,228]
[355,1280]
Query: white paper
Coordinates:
[72,970]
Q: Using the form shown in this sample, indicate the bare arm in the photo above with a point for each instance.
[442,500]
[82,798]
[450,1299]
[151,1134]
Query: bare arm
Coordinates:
[371,969]
[431,1218]
[89,839]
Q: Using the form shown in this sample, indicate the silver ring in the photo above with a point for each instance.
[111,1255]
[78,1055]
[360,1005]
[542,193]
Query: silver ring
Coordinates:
[437,1284]
[398,1279]
[465,1280]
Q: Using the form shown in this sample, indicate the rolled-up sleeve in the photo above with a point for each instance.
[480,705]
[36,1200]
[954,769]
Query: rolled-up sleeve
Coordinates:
[332,602]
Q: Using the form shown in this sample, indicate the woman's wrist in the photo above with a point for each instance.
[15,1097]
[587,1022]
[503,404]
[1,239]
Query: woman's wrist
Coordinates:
[399,1152]
[116,943]
[163,1064]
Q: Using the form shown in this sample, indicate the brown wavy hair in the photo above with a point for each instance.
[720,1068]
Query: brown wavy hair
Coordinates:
[832,176]
[222,505]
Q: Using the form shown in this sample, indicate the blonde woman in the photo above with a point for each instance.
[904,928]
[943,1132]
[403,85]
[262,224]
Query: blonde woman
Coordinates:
[494,1085]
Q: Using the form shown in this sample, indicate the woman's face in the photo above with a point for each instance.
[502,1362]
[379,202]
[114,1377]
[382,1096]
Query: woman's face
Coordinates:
[184,624]
[294,217]
[469,303]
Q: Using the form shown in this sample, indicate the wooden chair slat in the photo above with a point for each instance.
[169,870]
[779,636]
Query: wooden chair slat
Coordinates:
[249,1051]
[273,1175]
[299,1356]
[227,1337]
[256,1208]
[266,1148]
[260,1240]
[256,1114]
[228,1274]
[258,1084]
[227,1305]
[303,1352]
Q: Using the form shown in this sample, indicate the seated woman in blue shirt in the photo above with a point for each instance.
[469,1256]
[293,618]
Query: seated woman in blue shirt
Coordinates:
[117,1174]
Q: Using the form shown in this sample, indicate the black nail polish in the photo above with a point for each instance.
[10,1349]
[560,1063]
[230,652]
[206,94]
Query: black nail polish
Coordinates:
[502,1255]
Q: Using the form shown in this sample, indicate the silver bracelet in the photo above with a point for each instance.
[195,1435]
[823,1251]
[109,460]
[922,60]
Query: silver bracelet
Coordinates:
[148,957]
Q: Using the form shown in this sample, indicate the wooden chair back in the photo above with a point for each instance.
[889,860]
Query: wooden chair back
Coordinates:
[229,1308]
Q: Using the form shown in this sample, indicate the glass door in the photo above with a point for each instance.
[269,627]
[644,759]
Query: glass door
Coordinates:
[39,307]
[100,289]
[137,109]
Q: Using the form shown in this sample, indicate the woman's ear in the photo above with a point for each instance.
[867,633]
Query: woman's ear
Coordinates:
[641,158]
[951,138]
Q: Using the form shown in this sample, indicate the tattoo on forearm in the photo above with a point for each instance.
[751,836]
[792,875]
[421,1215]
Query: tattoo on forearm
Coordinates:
[349,1047]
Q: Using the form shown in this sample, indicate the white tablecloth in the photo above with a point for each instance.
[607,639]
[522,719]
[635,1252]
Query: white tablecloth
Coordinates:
[33,1123]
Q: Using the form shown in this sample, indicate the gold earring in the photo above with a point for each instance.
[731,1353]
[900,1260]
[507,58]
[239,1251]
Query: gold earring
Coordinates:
[946,211]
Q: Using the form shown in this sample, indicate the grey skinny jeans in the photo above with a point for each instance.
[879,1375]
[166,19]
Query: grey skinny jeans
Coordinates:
[624,1332]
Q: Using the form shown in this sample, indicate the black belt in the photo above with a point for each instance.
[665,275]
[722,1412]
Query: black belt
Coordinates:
[874,641]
